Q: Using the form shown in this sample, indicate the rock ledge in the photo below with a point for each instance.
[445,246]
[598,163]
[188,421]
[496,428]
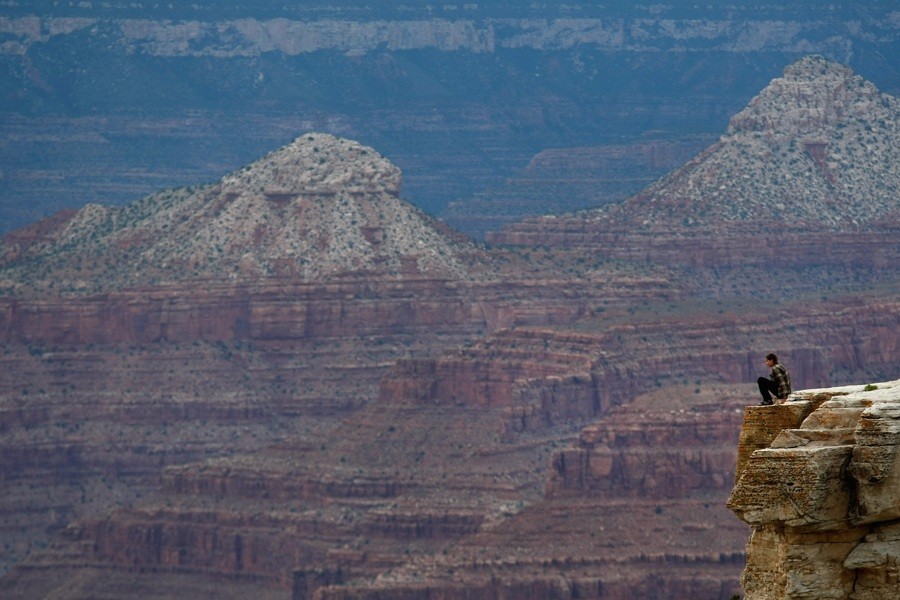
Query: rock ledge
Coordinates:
[823,495]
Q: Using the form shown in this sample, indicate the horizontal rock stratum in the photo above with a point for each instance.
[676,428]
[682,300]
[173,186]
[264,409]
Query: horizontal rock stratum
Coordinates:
[823,497]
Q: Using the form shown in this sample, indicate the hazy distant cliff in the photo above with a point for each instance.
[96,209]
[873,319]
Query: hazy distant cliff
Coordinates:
[223,31]
[106,102]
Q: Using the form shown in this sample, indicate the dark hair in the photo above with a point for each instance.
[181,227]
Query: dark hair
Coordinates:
[772,357]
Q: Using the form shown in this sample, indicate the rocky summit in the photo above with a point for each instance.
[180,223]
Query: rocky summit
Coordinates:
[817,148]
[815,151]
[317,207]
[818,482]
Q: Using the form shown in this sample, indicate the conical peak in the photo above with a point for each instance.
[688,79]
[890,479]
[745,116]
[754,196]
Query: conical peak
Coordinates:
[812,98]
[816,66]
[816,149]
[316,164]
[314,209]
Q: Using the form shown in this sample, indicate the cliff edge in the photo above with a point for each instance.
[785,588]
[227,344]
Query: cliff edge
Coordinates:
[818,480]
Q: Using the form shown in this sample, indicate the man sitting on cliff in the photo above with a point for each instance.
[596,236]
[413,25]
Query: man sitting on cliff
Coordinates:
[779,383]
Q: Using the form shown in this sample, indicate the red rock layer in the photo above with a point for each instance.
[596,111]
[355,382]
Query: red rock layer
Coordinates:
[873,249]
[662,477]
[640,455]
[454,455]
[264,311]
[274,309]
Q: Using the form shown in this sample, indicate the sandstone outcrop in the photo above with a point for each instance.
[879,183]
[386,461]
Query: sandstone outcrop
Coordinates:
[822,497]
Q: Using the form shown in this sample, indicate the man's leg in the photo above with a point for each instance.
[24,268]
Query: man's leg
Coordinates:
[767,387]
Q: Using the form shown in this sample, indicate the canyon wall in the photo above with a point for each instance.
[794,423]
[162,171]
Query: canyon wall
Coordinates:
[393,477]
[645,467]
[267,311]
[461,463]
[469,27]
[618,361]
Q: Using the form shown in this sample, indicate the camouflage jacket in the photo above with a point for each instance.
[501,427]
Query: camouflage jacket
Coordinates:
[782,379]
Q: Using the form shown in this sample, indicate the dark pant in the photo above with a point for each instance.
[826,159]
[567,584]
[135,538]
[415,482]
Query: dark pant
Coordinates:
[767,387]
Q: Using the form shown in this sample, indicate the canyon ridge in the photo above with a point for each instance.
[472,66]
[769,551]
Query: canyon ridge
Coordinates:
[292,383]
[476,102]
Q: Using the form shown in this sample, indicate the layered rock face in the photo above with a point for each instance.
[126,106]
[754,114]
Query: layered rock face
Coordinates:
[240,323]
[448,483]
[822,497]
[265,311]
[635,454]
[642,467]
[473,28]
[271,388]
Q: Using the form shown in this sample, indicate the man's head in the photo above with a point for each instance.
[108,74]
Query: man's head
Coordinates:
[771,360]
